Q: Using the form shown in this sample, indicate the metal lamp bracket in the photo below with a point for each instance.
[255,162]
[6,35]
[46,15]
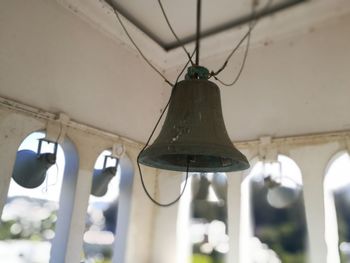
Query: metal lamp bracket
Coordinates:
[267,151]
[56,129]
[49,142]
[110,157]
[118,150]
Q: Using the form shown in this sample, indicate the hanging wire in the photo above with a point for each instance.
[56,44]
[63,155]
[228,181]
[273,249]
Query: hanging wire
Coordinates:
[252,25]
[161,115]
[137,48]
[55,142]
[173,32]
[172,202]
[240,69]
[213,74]
[148,141]
[47,185]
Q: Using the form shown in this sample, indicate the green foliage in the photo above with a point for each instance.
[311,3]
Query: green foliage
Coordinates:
[103,261]
[293,258]
[283,230]
[5,232]
[199,258]
[27,230]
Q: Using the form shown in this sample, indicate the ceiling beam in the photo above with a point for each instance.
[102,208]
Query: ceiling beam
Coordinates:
[291,22]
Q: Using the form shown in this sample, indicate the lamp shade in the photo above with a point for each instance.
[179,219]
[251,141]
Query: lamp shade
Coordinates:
[101,179]
[200,187]
[281,195]
[30,168]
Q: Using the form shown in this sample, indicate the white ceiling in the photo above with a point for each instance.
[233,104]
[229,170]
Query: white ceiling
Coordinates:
[287,22]
[294,83]
[291,87]
[216,16]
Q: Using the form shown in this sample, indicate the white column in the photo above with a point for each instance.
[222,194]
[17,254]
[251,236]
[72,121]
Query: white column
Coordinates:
[13,130]
[165,230]
[246,222]
[312,161]
[74,199]
[124,209]
[234,214]
[135,244]
[331,235]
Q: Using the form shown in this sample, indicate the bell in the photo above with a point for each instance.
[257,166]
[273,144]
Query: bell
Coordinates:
[30,168]
[194,134]
[101,179]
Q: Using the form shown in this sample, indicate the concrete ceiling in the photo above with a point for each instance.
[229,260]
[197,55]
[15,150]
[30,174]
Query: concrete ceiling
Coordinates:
[216,16]
[151,34]
[296,79]
[290,87]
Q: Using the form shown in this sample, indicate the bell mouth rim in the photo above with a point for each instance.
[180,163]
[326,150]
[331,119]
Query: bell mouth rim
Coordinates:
[160,157]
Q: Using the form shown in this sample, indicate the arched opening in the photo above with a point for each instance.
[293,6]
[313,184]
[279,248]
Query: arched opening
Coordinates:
[101,219]
[202,219]
[29,217]
[273,223]
[337,212]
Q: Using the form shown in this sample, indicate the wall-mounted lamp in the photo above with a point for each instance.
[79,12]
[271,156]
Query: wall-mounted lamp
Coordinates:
[282,191]
[102,177]
[31,167]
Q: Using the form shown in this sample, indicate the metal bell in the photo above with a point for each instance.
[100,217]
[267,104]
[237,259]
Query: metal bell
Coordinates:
[194,133]
[31,167]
